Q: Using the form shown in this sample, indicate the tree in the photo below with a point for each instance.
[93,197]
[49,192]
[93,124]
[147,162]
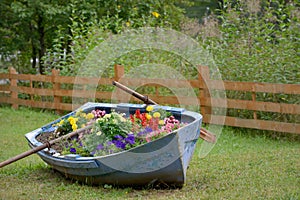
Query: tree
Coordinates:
[30,28]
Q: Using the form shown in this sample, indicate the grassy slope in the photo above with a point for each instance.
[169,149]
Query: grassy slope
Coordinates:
[239,167]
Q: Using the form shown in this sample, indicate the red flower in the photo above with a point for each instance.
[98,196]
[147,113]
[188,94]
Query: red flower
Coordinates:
[132,118]
[138,114]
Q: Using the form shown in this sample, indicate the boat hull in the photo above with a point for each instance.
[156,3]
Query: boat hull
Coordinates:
[164,160]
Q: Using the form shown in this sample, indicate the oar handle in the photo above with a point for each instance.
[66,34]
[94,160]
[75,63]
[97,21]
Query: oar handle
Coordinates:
[207,135]
[23,155]
[204,134]
[145,99]
[43,146]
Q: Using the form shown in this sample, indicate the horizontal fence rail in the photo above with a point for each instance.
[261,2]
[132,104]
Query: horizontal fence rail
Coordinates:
[264,106]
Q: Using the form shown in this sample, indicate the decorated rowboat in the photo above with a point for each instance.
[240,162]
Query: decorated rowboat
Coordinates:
[163,160]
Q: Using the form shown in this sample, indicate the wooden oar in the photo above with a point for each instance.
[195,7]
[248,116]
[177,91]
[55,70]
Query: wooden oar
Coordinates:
[45,145]
[204,134]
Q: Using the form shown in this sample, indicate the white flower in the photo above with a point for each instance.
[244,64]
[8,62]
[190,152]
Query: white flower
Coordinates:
[107,116]
[99,133]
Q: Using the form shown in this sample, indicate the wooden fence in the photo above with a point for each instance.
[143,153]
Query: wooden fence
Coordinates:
[58,93]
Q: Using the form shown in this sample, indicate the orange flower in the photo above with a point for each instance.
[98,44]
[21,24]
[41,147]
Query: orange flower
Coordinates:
[148,116]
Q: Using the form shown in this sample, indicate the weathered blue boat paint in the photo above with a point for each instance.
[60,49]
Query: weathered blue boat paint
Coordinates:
[164,160]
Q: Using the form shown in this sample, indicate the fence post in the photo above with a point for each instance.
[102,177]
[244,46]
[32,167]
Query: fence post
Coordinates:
[204,95]
[253,94]
[56,87]
[119,73]
[13,88]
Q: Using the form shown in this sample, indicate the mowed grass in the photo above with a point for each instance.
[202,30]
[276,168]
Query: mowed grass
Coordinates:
[242,165]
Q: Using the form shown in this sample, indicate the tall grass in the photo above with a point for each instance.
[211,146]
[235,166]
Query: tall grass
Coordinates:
[244,164]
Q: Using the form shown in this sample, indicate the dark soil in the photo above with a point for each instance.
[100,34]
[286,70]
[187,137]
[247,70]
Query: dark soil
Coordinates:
[48,136]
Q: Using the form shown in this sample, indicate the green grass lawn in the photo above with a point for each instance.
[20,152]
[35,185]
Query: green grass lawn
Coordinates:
[242,165]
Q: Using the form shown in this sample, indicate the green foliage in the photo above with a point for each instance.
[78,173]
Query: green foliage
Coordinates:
[89,26]
[35,22]
[112,124]
[135,13]
[258,41]
[40,35]
[74,147]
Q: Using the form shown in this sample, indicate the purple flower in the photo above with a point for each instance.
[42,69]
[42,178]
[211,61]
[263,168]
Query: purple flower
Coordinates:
[72,150]
[99,147]
[130,139]
[145,131]
[119,144]
[148,129]
[118,137]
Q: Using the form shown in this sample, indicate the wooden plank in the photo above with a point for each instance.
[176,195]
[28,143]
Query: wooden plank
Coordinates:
[253,86]
[41,78]
[65,106]
[183,100]
[250,105]
[40,104]
[4,88]
[5,99]
[195,83]
[63,79]
[83,93]
[171,83]
[4,76]
[256,124]
[277,88]
[83,80]
[229,85]
[34,91]
[103,95]
[31,77]
[93,81]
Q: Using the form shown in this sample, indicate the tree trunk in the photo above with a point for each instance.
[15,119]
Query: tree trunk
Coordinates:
[33,48]
[42,50]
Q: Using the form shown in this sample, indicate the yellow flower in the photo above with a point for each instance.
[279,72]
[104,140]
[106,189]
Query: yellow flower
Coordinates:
[161,122]
[156,115]
[149,108]
[74,127]
[78,112]
[90,116]
[127,24]
[155,14]
[61,122]
[71,119]
[148,116]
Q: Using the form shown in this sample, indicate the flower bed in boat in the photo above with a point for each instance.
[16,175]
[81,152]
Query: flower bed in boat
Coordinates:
[110,132]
